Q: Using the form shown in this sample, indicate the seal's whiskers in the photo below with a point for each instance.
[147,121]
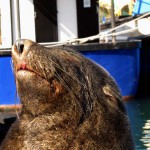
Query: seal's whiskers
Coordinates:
[68,89]
[56,65]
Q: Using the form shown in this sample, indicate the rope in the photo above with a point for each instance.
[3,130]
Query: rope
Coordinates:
[101,35]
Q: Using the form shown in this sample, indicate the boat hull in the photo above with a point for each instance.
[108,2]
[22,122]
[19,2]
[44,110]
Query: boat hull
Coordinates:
[7,82]
[121,60]
[123,65]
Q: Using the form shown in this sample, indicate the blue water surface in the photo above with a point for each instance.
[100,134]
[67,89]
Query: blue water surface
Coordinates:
[139,114]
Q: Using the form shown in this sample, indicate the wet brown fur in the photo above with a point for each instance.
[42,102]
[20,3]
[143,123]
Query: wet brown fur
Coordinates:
[68,103]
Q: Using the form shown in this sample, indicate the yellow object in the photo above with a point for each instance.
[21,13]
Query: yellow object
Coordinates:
[122,8]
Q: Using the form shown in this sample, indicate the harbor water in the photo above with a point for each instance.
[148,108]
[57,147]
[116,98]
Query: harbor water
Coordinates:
[139,114]
[139,108]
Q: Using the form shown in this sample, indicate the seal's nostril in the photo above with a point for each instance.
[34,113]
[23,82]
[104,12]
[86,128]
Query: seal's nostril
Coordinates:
[20,49]
[20,45]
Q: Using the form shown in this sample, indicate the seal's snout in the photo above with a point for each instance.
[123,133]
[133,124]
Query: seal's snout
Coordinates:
[22,46]
[20,54]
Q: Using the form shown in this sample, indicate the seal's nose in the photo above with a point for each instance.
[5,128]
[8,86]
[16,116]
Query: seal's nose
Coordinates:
[20,45]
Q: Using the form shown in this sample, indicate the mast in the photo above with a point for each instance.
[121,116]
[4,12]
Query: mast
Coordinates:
[113,20]
[17,19]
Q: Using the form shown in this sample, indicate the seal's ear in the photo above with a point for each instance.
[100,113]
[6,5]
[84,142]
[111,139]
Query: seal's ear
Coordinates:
[112,97]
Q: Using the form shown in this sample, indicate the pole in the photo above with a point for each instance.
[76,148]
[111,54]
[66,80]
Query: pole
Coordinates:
[17,19]
[113,20]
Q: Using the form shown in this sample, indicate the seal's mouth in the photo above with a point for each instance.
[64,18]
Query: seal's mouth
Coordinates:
[23,66]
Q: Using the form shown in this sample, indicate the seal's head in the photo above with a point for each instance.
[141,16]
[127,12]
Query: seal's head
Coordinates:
[80,96]
[50,80]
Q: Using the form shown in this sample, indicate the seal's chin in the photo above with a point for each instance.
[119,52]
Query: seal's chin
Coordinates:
[31,86]
[25,74]
[28,77]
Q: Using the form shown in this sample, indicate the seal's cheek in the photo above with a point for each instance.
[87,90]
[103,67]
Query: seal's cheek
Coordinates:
[57,88]
[32,86]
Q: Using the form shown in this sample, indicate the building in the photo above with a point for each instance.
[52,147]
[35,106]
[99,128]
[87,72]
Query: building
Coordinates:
[47,20]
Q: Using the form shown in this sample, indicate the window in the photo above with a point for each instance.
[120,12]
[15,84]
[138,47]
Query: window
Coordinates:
[5,24]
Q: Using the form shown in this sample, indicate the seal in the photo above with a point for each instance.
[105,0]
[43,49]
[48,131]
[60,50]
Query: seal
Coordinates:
[68,102]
